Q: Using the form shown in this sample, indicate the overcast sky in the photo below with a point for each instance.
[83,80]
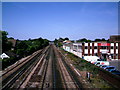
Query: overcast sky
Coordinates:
[24,20]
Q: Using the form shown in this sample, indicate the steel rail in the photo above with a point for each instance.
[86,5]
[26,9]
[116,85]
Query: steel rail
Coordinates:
[19,72]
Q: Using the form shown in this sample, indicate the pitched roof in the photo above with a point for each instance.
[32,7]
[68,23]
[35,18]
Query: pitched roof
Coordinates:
[4,56]
[11,54]
[13,42]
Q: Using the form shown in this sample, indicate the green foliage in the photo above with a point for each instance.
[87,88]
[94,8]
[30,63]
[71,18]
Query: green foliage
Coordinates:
[5,44]
[81,63]
[66,38]
[21,45]
[4,35]
[20,52]
[27,47]
[23,48]
[73,41]
[9,45]
[58,42]
[103,39]
[87,40]
[84,40]
[8,61]
[10,38]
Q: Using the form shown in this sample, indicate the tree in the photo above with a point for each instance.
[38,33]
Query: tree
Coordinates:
[89,41]
[20,52]
[10,38]
[55,41]
[60,39]
[4,35]
[46,42]
[66,38]
[29,39]
[83,40]
[22,45]
[96,40]
[5,44]
[59,44]
[9,45]
[103,39]
[22,49]
[73,41]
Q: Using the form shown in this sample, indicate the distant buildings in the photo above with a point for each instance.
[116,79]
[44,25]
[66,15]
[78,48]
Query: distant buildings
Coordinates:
[67,41]
[8,54]
[104,50]
[13,41]
[2,56]
[115,38]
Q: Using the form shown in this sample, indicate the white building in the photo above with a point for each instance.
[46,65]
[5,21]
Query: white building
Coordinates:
[103,50]
[4,56]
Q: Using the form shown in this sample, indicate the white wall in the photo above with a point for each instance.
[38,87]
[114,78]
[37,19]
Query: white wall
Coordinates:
[86,51]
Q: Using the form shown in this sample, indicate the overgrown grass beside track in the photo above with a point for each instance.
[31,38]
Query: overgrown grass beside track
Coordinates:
[84,66]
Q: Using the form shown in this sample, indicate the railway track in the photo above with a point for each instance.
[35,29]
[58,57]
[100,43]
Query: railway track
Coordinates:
[10,77]
[47,69]
[41,76]
[35,79]
[68,80]
[72,71]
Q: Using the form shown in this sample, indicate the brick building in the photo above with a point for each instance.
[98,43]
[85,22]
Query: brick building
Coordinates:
[104,50]
[115,38]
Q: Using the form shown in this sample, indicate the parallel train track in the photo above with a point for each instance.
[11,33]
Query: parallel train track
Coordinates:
[46,69]
[8,81]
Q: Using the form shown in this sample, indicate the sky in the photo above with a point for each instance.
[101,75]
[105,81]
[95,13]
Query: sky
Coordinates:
[50,20]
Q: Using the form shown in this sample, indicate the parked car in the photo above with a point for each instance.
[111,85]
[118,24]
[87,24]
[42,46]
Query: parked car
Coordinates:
[99,65]
[109,68]
[116,72]
[103,66]
[96,63]
[91,58]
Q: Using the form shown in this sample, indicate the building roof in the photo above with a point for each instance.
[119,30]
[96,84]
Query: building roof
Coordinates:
[115,38]
[4,56]
[11,54]
[67,41]
[13,42]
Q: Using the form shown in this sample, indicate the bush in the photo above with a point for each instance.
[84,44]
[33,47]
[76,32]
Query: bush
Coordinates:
[8,61]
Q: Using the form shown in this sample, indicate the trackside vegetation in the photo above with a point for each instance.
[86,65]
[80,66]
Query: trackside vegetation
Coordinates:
[84,66]
[21,49]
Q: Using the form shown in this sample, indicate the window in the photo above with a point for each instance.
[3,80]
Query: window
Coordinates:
[96,54]
[112,56]
[90,47]
[75,47]
[79,47]
[86,47]
[116,56]
[95,47]
[111,47]
[103,47]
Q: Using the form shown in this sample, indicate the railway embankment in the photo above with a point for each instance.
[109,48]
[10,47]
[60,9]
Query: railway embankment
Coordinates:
[99,78]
